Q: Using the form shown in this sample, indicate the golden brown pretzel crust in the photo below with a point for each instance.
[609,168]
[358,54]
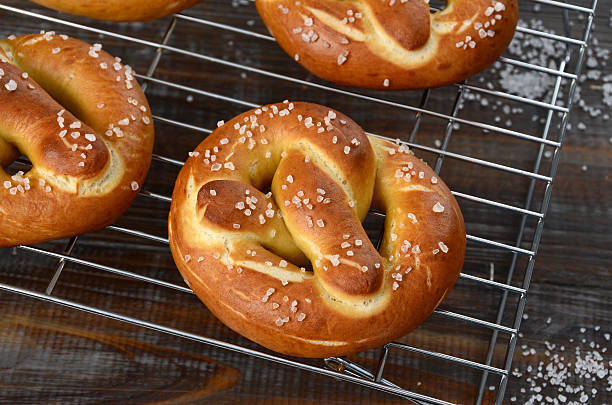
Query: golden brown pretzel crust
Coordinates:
[86,171]
[394,44]
[119,10]
[240,249]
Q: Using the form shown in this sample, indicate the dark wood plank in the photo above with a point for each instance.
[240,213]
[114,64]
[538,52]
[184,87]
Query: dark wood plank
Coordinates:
[49,354]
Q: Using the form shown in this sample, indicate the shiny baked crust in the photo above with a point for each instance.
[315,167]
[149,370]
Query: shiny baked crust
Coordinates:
[240,250]
[394,44]
[119,10]
[87,168]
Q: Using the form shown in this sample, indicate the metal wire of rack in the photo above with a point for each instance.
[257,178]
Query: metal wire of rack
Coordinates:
[342,368]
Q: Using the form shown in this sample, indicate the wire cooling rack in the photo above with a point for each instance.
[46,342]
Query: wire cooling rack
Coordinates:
[505,310]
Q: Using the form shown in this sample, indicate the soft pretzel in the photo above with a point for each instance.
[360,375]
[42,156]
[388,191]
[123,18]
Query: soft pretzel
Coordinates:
[240,250]
[391,44]
[87,168]
[119,10]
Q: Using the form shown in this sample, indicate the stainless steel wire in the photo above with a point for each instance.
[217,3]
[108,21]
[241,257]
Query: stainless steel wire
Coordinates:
[351,371]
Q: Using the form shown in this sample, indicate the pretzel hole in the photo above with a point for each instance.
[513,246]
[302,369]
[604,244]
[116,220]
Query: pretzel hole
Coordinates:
[374,225]
[12,160]
[20,164]
[437,5]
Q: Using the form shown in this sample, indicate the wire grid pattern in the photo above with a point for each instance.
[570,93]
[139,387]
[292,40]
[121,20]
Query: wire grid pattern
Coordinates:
[342,368]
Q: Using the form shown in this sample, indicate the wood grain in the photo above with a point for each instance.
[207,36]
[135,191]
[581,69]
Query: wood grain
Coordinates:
[50,354]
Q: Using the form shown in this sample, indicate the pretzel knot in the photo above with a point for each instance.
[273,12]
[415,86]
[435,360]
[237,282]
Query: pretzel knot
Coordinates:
[245,252]
[391,44]
[86,171]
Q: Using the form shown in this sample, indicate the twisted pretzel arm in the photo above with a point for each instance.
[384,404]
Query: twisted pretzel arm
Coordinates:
[83,122]
[391,44]
[241,250]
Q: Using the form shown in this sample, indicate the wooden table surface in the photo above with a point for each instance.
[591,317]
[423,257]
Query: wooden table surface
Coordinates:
[51,354]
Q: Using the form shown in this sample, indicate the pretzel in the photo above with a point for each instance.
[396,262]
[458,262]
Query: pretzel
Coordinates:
[244,253]
[391,44]
[119,10]
[87,168]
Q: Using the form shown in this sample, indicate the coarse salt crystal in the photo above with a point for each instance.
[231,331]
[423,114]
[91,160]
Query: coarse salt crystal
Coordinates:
[438,207]
[11,85]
